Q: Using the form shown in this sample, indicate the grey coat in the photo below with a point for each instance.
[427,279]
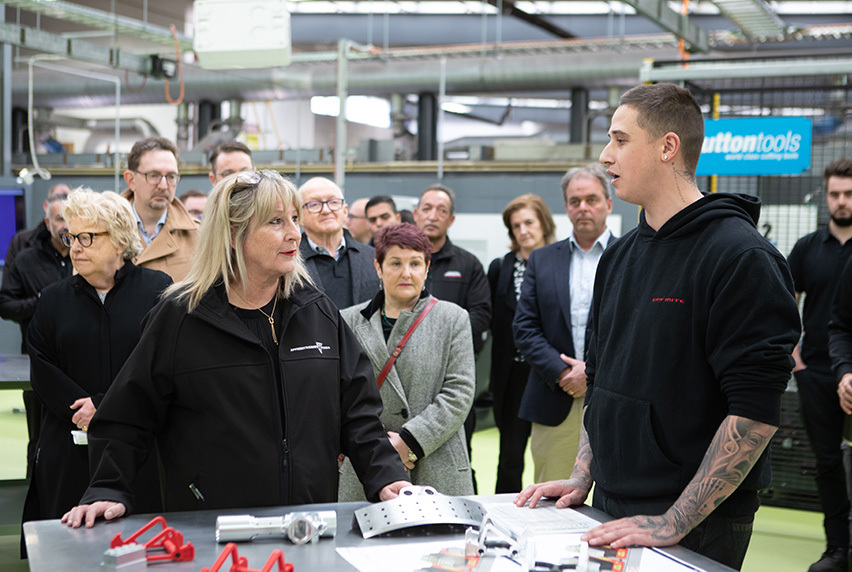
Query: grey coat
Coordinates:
[429,391]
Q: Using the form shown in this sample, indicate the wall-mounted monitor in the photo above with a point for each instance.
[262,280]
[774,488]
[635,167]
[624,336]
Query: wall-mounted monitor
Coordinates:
[13,216]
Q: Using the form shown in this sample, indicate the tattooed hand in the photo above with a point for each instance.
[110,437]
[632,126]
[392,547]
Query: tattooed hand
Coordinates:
[571,492]
[636,531]
[734,450]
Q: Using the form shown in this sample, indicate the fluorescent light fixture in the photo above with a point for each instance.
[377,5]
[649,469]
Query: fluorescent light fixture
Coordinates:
[363,109]
[453,107]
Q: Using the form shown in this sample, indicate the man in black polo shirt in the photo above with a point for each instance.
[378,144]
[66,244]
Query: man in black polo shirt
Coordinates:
[340,266]
[816,263]
[455,274]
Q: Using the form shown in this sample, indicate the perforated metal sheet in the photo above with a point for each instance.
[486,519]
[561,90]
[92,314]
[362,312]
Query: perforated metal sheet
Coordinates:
[408,511]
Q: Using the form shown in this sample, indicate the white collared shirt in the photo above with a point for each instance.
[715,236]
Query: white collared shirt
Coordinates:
[583,267]
[160,224]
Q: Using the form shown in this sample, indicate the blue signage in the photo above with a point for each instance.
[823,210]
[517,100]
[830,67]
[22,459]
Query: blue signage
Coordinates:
[759,146]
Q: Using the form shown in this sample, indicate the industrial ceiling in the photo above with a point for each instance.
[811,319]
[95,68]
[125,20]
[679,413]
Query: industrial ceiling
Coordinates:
[491,47]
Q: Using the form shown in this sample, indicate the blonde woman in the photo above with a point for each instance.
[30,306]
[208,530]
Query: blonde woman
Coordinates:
[245,378]
[83,330]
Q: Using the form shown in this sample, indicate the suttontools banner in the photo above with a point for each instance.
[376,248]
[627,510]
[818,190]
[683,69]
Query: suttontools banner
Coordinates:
[759,146]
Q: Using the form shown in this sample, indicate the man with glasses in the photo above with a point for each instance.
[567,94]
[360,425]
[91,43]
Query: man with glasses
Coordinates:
[229,158]
[340,266]
[166,228]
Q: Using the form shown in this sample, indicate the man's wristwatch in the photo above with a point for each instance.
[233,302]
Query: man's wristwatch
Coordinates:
[411,456]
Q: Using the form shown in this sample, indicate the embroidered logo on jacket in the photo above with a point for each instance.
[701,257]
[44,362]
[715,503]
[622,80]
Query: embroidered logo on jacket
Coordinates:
[317,346]
[670,300]
[452,274]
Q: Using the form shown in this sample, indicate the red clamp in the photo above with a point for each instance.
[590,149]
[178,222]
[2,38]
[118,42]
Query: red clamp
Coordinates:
[240,563]
[168,540]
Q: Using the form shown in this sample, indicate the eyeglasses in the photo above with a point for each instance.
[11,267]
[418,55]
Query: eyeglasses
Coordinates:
[316,206]
[84,238]
[154,178]
[252,178]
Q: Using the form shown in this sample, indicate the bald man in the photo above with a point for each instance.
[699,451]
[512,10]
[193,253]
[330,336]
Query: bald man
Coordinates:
[356,221]
[340,266]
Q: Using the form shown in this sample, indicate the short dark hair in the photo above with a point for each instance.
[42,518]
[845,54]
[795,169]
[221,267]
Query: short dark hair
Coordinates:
[444,189]
[663,108]
[150,144]
[403,235]
[379,199]
[227,147]
[840,168]
[406,215]
[191,193]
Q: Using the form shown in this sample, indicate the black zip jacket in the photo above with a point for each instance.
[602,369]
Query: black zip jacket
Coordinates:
[456,275]
[203,386]
[34,269]
[692,323]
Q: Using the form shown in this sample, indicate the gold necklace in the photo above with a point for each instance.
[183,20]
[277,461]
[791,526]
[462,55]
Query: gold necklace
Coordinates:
[268,316]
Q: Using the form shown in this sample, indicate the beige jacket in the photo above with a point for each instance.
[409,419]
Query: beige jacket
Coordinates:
[171,250]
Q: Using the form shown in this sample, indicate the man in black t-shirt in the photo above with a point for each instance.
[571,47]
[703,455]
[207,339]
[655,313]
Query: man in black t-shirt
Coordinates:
[816,263]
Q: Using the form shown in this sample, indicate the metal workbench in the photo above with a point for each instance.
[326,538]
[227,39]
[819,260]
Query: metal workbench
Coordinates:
[52,546]
[14,372]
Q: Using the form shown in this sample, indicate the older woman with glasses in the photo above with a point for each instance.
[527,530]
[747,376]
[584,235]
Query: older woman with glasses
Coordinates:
[428,389]
[246,378]
[83,331]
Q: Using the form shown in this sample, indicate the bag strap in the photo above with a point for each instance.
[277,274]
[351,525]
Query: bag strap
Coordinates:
[389,364]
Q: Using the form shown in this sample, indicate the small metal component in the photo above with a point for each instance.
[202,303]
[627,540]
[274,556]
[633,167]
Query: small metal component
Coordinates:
[299,527]
[417,506]
[496,544]
[128,558]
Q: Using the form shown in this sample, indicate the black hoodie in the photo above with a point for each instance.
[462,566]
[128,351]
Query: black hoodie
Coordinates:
[693,323]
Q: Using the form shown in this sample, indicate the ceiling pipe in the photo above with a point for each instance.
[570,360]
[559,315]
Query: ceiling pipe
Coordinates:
[533,73]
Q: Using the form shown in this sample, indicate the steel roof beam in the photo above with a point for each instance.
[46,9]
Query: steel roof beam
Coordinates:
[659,12]
[101,20]
[81,50]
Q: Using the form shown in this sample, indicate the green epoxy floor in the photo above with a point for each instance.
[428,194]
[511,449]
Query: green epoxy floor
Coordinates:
[784,540]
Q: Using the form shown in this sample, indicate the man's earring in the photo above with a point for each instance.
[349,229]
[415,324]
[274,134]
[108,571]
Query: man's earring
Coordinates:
[665,157]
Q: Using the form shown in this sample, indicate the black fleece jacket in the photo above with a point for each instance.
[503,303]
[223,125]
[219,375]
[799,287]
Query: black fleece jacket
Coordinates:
[693,323]
[203,388]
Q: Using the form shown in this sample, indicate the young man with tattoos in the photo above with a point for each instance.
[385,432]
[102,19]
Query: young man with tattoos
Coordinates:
[694,324]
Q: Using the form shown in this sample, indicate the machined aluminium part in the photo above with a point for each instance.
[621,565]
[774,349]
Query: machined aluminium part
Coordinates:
[127,558]
[299,527]
[417,506]
[499,548]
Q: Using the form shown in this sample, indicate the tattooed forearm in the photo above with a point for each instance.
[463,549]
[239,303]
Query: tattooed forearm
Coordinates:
[581,470]
[733,452]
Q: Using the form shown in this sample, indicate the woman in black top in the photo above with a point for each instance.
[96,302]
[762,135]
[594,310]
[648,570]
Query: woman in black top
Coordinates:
[530,226]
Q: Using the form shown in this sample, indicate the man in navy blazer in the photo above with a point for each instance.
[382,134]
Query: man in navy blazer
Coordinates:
[551,326]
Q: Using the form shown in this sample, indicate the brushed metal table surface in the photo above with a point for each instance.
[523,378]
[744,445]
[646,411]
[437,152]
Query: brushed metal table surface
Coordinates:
[53,546]
[14,372]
